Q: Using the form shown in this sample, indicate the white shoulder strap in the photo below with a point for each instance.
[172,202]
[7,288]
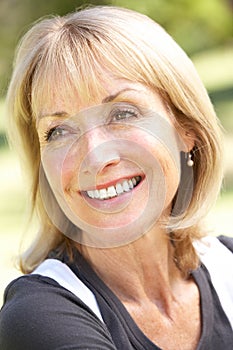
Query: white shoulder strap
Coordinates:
[63,275]
[218,260]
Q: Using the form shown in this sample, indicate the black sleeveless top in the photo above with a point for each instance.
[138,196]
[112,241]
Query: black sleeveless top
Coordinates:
[39,314]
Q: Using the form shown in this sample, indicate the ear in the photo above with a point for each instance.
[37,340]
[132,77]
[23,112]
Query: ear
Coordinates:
[189,140]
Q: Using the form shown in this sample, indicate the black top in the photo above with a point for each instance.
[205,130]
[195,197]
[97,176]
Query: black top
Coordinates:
[39,314]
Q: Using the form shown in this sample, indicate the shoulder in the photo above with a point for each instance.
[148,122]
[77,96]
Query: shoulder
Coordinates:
[40,314]
[209,245]
[216,256]
[227,241]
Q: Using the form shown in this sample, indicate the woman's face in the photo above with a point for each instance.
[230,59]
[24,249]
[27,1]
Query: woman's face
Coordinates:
[112,164]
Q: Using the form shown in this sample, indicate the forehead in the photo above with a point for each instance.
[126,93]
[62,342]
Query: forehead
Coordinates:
[81,83]
[77,67]
[109,89]
[59,93]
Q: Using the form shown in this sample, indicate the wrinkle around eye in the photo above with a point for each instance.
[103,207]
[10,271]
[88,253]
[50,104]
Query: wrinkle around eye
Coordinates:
[55,133]
[123,112]
[58,135]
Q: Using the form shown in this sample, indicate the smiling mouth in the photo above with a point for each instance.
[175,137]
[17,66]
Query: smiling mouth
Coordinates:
[114,191]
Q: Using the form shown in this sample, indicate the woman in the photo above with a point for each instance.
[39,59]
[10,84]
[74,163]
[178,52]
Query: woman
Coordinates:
[121,143]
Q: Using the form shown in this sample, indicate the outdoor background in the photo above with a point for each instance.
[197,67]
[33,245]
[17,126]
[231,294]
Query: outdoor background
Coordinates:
[203,28]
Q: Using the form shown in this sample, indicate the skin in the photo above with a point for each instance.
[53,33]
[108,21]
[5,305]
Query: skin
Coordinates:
[142,271]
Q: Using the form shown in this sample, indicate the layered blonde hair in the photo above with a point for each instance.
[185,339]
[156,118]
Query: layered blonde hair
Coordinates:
[69,53]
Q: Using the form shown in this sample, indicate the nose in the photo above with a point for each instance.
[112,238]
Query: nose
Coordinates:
[99,150]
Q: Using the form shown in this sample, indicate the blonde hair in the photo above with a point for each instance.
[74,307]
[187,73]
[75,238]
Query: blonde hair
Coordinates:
[69,53]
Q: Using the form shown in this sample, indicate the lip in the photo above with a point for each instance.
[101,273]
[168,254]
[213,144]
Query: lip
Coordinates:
[116,203]
[111,183]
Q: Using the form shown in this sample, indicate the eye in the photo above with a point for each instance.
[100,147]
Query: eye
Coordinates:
[55,133]
[122,114]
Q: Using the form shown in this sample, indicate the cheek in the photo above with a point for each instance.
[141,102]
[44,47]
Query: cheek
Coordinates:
[167,156]
[167,160]
[69,173]
[59,167]
[172,179]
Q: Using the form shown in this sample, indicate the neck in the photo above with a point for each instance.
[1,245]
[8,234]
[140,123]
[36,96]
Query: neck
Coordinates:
[140,270]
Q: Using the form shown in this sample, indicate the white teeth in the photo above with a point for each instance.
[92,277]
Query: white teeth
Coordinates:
[126,186]
[114,191]
[90,194]
[103,193]
[119,188]
[111,191]
[96,194]
[130,184]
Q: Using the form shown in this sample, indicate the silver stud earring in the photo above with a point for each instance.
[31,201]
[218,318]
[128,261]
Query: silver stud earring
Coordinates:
[190,162]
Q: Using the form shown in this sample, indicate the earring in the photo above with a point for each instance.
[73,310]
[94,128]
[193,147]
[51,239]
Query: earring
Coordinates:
[190,162]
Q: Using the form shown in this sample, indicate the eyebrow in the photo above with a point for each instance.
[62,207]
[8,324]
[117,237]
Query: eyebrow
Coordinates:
[114,96]
[105,100]
[56,114]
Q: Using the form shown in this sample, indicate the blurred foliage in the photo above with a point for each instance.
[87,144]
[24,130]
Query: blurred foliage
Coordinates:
[195,24]
[16,17]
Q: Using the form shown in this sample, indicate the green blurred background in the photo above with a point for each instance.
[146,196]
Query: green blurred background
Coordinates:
[203,28]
